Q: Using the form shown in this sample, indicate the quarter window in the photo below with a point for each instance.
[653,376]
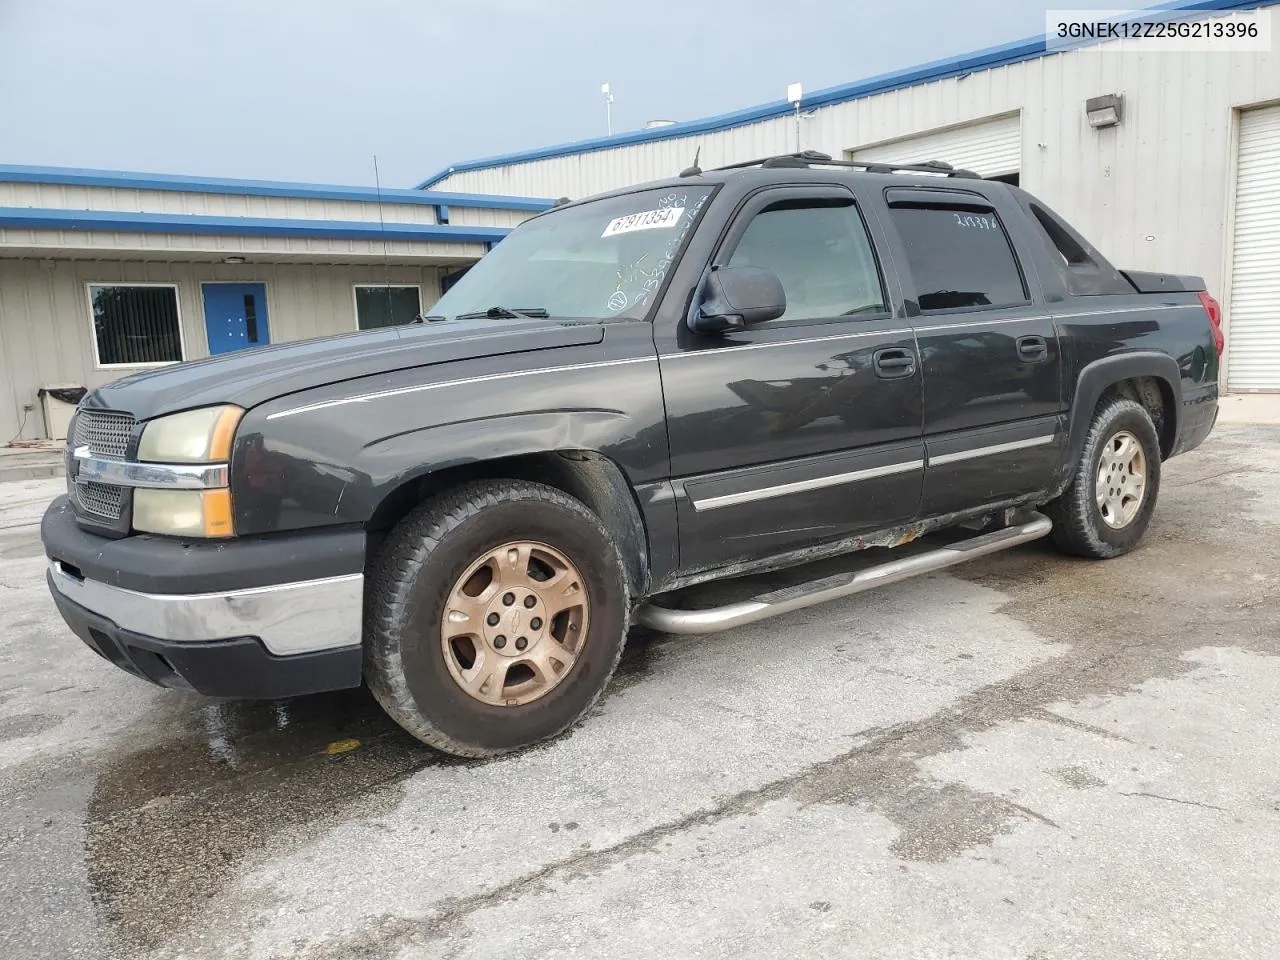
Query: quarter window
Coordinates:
[959,257]
[135,325]
[821,253]
[386,306]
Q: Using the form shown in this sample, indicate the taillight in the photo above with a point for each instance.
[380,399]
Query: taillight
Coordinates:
[1214,311]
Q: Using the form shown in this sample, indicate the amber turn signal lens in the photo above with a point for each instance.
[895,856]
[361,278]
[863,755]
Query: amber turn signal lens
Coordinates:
[217,510]
[224,431]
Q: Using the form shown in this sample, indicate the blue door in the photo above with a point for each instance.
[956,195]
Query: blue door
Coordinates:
[235,316]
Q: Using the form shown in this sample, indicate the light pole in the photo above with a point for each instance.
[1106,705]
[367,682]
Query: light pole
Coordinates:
[608,107]
[795,93]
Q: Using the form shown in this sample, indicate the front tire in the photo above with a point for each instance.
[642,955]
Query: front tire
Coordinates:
[497,613]
[1108,505]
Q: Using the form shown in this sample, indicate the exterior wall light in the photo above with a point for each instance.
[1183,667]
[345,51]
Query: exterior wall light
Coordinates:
[1103,111]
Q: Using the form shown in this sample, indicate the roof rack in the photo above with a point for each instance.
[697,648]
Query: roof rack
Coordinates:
[809,158]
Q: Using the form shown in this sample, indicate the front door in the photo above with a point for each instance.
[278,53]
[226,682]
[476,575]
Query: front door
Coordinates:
[806,429]
[989,352]
[235,316]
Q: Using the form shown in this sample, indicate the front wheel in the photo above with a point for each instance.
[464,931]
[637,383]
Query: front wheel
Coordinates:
[1105,510]
[497,614]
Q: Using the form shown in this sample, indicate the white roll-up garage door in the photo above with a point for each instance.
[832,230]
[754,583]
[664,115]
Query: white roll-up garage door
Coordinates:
[990,148]
[1253,334]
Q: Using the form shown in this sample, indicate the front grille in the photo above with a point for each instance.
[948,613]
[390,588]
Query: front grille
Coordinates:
[105,433]
[103,500]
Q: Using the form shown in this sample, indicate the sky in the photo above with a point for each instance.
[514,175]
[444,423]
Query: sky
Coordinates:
[312,90]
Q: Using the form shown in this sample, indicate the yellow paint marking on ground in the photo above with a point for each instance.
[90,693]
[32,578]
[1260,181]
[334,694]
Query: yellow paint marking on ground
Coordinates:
[341,746]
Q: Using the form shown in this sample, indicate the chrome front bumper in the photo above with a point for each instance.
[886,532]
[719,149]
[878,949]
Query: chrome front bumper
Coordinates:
[289,618]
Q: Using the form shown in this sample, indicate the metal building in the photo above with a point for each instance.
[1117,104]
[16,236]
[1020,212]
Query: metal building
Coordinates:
[1183,177]
[103,273]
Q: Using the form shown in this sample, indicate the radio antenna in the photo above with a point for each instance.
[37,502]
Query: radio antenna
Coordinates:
[694,170]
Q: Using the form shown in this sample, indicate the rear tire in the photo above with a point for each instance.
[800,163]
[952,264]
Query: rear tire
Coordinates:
[1099,515]
[466,579]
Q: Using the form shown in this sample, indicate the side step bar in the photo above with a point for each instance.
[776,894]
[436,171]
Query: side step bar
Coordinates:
[715,619]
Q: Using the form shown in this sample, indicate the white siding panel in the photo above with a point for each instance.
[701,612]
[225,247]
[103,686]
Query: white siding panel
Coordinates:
[1253,361]
[104,243]
[990,148]
[56,196]
[44,315]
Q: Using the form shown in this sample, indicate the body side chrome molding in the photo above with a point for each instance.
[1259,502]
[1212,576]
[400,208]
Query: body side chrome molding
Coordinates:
[923,330]
[160,476]
[800,486]
[738,348]
[481,378]
[288,618]
[991,450]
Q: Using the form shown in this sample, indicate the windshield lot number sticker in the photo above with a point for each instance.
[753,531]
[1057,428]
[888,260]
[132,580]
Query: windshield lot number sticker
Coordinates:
[663,219]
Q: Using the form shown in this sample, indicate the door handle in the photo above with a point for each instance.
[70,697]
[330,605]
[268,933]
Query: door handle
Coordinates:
[1032,349]
[894,363]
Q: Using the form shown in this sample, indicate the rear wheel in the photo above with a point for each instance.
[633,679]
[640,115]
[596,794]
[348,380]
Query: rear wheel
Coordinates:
[497,614]
[1108,505]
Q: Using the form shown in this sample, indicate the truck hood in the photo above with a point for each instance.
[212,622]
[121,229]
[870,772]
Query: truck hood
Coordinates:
[251,377]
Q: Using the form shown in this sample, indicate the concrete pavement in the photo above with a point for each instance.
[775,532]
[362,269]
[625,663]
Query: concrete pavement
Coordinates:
[1031,757]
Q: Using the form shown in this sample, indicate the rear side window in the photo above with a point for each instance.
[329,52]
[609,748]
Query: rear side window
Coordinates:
[822,254]
[959,257]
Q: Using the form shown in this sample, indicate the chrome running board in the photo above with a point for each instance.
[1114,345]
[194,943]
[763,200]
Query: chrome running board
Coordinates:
[715,619]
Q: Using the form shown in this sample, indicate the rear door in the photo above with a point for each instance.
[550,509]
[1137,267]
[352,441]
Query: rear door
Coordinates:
[989,350]
[805,429]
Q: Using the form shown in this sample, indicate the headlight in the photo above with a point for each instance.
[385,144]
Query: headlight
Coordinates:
[195,436]
[183,513]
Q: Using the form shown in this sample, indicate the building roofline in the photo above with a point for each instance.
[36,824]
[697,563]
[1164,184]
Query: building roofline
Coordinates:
[126,180]
[35,218]
[1030,48]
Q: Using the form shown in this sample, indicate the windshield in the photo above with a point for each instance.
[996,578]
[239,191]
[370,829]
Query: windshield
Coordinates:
[605,258]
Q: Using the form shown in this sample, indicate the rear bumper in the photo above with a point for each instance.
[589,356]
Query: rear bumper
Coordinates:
[258,617]
[233,667]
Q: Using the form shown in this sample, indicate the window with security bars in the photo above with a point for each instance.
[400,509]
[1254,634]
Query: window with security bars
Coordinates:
[383,306]
[135,325]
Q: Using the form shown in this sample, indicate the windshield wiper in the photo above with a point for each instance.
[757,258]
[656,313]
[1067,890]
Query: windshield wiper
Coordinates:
[497,313]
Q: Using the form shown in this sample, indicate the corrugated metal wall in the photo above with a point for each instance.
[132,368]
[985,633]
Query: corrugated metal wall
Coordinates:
[990,149]
[57,196]
[105,243]
[1151,193]
[45,326]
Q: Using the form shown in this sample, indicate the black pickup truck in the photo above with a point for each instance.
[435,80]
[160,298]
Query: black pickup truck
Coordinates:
[728,372]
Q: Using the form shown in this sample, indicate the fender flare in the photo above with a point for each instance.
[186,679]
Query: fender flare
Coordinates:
[560,448]
[1097,376]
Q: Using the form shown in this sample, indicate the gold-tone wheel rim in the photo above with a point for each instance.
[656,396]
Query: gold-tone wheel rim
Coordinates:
[1121,484]
[514,623]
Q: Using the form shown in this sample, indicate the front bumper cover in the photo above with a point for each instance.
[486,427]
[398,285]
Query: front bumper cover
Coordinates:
[214,617]
[238,667]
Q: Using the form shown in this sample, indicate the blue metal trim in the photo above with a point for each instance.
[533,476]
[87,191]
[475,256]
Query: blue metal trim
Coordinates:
[442,213]
[124,180]
[1029,49]
[34,218]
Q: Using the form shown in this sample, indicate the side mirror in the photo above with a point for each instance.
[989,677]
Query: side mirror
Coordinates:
[734,298]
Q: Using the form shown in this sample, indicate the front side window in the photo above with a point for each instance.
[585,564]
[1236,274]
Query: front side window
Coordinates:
[386,306]
[135,325]
[821,253]
[958,257]
[604,258]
